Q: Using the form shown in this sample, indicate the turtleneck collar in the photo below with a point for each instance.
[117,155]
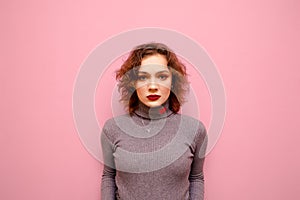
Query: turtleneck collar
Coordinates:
[153,112]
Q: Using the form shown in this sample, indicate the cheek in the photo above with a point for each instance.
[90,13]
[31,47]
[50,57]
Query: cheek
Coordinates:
[168,84]
[165,90]
[165,85]
[141,90]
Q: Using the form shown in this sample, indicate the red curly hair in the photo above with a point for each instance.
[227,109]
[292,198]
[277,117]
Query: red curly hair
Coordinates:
[127,75]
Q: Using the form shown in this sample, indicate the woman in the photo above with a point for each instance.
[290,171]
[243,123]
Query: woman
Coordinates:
[153,152]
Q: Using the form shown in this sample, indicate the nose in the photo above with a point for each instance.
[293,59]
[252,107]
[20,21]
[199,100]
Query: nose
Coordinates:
[152,87]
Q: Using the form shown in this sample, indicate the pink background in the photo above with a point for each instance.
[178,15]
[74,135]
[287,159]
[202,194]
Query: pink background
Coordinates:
[255,45]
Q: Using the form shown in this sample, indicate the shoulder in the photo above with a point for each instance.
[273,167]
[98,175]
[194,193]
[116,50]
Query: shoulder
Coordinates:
[193,129]
[113,122]
[111,127]
[189,122]
[199,135]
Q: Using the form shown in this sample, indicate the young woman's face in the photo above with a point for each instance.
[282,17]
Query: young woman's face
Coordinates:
[154,80]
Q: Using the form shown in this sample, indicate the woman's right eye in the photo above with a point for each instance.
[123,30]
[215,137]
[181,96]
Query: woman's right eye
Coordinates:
[142,78]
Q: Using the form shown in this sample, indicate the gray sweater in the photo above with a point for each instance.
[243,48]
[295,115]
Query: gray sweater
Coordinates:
[153,154]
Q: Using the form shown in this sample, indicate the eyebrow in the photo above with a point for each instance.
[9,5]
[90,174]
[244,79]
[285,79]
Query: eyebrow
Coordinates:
[142,72]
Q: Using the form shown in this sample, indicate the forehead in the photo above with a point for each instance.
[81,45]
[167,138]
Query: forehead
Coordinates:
[155,59]
[153,68]
[154,63]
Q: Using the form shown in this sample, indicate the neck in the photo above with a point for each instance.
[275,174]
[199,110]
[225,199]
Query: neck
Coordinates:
[158,112]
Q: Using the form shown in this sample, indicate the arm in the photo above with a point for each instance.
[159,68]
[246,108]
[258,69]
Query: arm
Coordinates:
[108,184]
[196,176]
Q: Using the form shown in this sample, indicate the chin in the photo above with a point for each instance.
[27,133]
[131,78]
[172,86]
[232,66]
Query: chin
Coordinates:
[154,104]
[151,105]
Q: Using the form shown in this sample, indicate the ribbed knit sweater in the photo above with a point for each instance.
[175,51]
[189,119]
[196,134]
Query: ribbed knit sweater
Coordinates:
[153,154]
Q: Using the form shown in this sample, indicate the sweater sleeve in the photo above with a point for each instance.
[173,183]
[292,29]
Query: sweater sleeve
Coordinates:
[108,184]
[196,177]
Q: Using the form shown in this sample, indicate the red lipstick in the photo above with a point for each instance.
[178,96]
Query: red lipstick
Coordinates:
[153,97]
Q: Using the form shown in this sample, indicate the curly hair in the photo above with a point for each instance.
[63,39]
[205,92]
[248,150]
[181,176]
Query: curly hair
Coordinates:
[127,75]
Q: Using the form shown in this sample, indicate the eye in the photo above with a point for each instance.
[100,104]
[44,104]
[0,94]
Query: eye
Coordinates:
[163,77]
[142,78]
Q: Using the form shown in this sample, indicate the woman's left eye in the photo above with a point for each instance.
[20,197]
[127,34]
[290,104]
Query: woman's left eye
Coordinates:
[162,77]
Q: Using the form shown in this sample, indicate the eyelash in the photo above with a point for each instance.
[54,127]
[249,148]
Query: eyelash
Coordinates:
[143,77]
[163,77]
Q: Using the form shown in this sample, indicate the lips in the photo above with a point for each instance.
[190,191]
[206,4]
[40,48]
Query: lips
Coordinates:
[153,97]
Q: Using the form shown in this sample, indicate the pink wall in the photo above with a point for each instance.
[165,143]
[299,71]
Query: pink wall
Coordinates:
[255,45]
